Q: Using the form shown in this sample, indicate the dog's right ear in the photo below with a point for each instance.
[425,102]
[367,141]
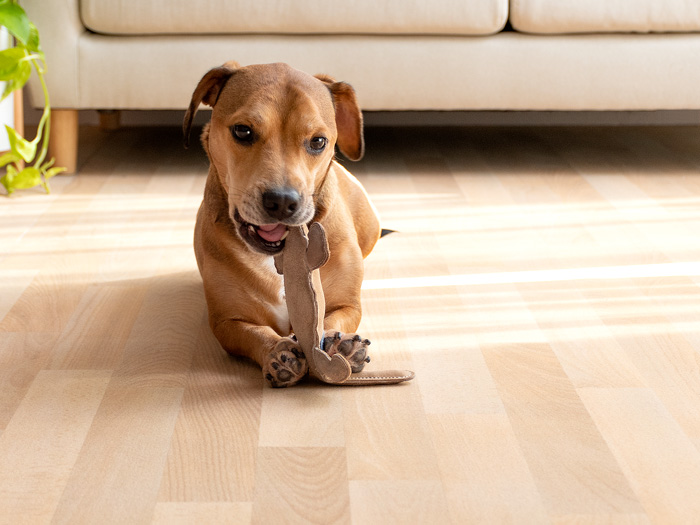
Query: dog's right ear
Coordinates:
[207,92]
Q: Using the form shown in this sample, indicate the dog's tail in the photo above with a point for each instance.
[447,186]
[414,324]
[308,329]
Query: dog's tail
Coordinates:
[385,232]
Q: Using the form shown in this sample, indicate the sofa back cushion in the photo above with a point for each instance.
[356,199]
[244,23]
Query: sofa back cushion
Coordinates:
[605,16]
[147,17]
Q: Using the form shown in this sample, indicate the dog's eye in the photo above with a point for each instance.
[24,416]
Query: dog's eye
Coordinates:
[242,133]
[318,144]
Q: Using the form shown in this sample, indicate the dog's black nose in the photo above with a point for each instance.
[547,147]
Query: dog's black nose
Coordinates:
[281,203]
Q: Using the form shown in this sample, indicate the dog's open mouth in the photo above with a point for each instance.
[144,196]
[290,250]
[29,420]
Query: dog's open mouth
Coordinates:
[265,238]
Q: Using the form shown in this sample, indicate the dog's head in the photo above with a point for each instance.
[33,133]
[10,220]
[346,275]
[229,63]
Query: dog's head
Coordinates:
[271,139]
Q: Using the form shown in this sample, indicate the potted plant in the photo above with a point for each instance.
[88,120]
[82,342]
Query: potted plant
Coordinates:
[25,163]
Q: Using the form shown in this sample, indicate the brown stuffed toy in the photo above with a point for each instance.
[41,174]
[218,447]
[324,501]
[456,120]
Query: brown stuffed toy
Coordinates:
[305,251]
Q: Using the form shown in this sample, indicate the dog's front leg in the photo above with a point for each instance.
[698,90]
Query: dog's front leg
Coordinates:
[343,314]
[351,346]
[281,359]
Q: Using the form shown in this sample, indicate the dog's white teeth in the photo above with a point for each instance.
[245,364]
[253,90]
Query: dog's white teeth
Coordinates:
[251,229]
[278,243]
[284,236]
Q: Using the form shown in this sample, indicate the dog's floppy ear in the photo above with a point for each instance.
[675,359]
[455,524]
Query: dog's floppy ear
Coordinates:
[348,118]
[207,91]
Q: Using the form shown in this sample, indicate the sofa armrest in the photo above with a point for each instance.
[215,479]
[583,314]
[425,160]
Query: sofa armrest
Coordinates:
[60,28]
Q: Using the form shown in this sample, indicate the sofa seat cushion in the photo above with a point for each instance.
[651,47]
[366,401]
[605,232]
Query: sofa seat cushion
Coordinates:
[146,17]
[605,16]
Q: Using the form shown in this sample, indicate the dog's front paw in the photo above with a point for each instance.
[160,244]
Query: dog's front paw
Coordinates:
[285,365]
[351,346]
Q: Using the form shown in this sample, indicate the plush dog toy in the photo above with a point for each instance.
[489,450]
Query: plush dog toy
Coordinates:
[305,251]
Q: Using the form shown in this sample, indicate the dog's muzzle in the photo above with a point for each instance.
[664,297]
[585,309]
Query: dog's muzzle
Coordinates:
[266,238]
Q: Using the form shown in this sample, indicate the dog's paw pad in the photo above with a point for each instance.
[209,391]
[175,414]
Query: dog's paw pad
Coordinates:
[351,346]
[285,365]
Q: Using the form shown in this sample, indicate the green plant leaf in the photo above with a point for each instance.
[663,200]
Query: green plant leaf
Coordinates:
[15,69]
[52,172]
[8,179]
[20,145]
[9,157]
[24,71]
[33,41]
[10,60]
[10,190]
[13,17]
[27,178]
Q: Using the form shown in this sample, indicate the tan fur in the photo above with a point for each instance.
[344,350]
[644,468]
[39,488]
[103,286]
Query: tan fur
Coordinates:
[286,108]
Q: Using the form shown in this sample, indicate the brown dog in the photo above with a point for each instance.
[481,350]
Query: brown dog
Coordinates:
[271,144]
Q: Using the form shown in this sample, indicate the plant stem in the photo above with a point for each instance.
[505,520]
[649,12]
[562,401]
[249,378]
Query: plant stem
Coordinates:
[46,121]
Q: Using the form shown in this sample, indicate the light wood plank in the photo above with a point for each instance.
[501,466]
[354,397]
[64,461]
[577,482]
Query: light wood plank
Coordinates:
[455,380]
[387,434]
[601,519]
[163,336]
[22,357]
[656,456]
[42,442]
[397,502]
[298,485]
[195,513]
[214,445]
[49,302]
[17,283]
[569,324]
[320,409]
[581,341]
[85,343]
[572,465]
[117,475]
[474,453]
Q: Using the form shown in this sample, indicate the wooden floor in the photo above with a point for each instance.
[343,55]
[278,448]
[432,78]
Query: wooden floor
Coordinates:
[543,286]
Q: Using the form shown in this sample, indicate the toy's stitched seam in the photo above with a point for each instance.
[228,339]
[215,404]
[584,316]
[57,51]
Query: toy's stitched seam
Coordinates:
[375,378]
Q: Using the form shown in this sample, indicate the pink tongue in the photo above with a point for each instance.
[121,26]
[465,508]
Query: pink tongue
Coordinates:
[272,232]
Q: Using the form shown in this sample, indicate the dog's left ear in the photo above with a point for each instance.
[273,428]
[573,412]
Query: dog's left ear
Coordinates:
[207,91]
[348,118]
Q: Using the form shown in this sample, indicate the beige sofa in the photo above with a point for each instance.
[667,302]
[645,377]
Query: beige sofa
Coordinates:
[399,54]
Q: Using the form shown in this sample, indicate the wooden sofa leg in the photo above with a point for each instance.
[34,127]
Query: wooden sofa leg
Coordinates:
[63,140]
[109,119]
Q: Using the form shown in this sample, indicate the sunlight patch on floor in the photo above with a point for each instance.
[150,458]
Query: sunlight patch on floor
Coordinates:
[685,269]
